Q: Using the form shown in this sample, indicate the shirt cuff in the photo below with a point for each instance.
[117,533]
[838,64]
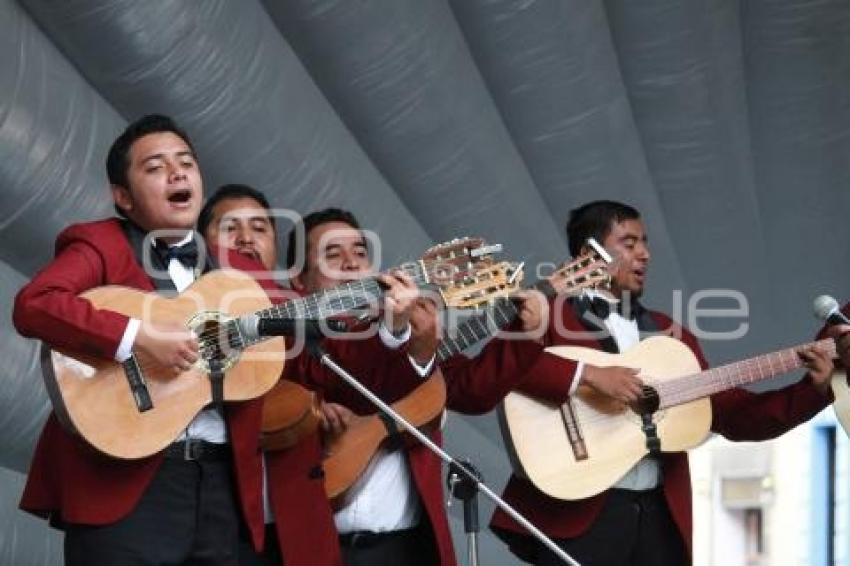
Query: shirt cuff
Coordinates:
[125,348]
[423,371]
[576,378]
[392,341]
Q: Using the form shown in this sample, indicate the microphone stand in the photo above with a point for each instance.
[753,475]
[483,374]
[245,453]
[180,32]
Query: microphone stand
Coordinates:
[467,475]
[461,487]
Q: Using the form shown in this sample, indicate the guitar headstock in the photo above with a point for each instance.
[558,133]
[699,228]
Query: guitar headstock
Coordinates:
[457,259]
[591,270]
[483,286]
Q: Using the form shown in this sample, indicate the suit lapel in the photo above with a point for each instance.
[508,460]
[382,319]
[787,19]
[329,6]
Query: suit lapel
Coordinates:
[586,318]
[146,255]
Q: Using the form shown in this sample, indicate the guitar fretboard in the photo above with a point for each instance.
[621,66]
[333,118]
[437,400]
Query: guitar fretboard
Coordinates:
[497,315]
[697,386]
[340,299]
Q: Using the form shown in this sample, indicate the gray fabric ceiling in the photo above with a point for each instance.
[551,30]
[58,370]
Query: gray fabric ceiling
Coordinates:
[726,122]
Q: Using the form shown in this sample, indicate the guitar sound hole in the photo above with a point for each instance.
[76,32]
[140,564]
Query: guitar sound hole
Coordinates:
[215,341]
[218,339]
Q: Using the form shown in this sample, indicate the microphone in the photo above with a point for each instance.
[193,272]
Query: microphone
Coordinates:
[254,328]
[826,308]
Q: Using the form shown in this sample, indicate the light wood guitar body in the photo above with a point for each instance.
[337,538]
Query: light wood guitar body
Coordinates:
[584,446]
[537,437]
[92,396]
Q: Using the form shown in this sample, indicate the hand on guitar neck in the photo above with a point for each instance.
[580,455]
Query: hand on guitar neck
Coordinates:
[841,334]
[820,365]
[172,346]
[400,292]
[533,313]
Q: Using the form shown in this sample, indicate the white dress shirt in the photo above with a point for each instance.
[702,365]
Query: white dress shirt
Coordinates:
[392,471]
[383,499]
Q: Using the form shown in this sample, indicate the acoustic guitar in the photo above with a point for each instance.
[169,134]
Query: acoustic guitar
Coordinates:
[135,409]
[349,454]
[290,411]
[581,448]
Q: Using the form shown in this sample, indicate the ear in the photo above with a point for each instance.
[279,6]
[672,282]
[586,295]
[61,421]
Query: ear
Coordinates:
[122,198]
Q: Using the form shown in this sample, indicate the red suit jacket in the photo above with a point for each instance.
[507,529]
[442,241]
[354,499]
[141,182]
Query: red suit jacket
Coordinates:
[737,414]
[69,481]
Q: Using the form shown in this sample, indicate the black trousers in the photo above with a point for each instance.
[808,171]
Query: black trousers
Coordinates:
[271,555]
[188,515]
[413,547]
[634,528]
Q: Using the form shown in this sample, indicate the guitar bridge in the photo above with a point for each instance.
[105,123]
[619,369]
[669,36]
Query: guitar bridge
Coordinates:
[138,386]
[574,434]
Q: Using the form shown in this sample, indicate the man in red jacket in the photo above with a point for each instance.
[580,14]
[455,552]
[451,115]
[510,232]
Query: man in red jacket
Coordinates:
[188,503]
[645,519]
[394,513]
[300,527]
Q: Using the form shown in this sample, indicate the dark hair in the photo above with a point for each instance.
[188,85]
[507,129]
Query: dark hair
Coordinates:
[595,220]
[117,160]
[311,221]
[226,192]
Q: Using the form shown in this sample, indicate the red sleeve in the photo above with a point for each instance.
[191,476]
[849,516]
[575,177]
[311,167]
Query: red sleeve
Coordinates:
[550,378]
[739,414]
[48,307]
[387,373]
[477,385]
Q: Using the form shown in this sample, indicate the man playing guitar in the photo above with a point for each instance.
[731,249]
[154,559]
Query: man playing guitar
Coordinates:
[645,519]
[190,501]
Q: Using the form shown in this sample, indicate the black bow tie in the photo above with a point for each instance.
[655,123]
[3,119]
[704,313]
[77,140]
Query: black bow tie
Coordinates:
[603,308]
[187,254]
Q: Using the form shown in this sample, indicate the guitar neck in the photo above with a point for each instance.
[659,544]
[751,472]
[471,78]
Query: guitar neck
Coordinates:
[494,317]
[704,384]
[342,298]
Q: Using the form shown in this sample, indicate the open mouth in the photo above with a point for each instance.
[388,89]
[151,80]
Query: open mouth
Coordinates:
[181,196]
[250,252]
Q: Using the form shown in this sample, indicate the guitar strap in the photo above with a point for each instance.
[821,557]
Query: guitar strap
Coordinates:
[646,326]
[584,313]
[395,441]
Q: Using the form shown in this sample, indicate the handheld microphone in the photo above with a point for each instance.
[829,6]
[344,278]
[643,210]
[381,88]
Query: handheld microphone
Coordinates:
[826,308]
[254,327]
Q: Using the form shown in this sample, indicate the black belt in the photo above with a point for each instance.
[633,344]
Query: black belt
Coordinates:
[197,450]
[367,539]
